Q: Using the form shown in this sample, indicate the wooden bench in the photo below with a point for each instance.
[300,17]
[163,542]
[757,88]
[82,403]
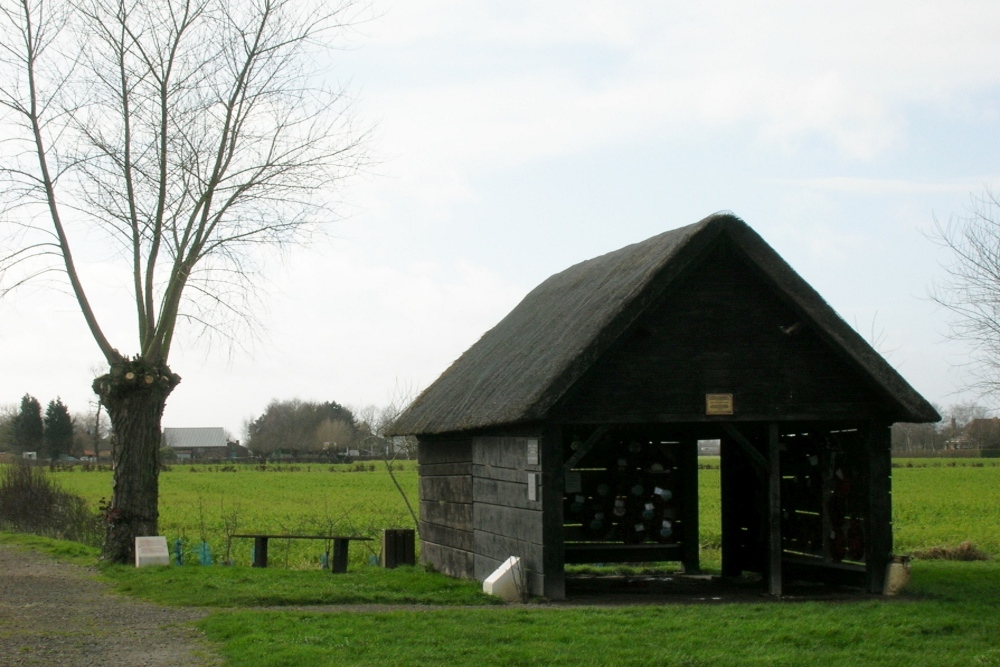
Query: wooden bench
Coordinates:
[340,544]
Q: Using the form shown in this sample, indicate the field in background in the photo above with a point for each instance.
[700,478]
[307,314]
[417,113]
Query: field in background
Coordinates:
[938,502]
[198,501]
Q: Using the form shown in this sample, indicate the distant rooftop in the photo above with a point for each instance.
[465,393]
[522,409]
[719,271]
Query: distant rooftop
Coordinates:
[199,437]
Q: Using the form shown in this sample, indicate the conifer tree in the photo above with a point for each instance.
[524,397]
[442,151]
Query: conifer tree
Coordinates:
[58,430]
[28,429]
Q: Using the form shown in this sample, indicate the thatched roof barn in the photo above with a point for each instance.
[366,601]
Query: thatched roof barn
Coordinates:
[701,332]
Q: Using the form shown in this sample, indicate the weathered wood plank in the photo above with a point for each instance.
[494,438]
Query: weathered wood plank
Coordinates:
[446,536]
[500,474]
[500,548]
[511,494]
[453,515]
[432,450]
[440,469]
[509,521]
[451,488]
[453,562]
[503,452]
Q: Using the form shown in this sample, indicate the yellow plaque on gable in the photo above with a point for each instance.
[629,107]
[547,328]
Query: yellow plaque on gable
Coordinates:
[718,404]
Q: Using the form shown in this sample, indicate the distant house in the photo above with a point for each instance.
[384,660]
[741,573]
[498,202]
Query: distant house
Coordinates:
[208,442]
[980,434]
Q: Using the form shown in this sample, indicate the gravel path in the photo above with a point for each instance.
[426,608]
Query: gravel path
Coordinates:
[53,613]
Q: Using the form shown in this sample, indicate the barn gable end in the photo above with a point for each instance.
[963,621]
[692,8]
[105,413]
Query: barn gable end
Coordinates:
[723,328]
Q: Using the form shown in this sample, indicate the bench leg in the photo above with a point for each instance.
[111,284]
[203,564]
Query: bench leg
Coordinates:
[340,556]
[260,552]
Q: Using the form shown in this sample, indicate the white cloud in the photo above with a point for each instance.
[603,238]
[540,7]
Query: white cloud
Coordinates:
[882,186]
[521,81]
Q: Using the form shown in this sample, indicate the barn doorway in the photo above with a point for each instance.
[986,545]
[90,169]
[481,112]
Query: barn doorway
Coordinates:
[703,499]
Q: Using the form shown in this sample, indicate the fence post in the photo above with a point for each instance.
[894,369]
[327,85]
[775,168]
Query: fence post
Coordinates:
[398,547]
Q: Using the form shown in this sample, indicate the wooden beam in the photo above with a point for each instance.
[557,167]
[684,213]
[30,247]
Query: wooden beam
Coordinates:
[878,528]
[774,510]
[690,541]
[756,457]
[732,552]
[585,448]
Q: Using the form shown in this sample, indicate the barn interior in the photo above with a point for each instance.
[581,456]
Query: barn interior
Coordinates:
[632,496]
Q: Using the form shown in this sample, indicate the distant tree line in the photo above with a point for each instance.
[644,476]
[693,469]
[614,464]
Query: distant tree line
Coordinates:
[305,428]
[295,427]
[51,434]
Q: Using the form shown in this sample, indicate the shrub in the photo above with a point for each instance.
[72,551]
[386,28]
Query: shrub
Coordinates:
[965,551]
[31,502]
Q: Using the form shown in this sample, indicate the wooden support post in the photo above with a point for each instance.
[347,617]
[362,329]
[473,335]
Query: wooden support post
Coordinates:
[774,510]
[690,540]
[553,538]
[340,556]
[398,547]
[752,454]
[878,523]
[585,448]
[729,471]
[260,552]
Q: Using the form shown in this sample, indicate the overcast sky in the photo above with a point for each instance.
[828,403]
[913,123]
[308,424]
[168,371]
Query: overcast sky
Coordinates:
[518,138]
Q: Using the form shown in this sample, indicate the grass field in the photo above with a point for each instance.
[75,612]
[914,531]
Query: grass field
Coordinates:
[935,502]
[196,502]
[949,618]
[950,615]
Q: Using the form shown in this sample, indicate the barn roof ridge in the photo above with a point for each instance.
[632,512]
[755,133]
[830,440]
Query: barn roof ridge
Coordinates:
[518,370]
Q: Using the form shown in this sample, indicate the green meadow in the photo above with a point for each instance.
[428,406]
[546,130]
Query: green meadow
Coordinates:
[198,503]
[939,502]
[949,615]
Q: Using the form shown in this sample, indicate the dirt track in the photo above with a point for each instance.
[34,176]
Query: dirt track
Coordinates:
[53,613]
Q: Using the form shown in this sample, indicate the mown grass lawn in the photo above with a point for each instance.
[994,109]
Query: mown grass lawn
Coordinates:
[951,616]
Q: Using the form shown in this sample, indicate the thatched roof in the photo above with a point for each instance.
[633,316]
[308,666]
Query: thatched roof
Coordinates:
[519,369]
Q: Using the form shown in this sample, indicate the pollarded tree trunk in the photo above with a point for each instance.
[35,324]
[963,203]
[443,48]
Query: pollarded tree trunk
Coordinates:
[134,394]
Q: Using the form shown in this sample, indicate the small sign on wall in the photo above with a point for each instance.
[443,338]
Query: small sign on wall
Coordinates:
[718,404]
[532,451]
[532,486]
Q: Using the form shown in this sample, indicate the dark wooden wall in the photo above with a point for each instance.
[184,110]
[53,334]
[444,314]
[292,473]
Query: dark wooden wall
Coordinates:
[722,329]
[446,517]
[506,522]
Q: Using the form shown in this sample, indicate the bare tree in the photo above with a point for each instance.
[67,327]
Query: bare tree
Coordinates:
[374,422]
[192,136]
[972,289]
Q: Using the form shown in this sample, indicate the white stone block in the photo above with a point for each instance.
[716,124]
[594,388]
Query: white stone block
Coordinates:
[507,582]
[151,551]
